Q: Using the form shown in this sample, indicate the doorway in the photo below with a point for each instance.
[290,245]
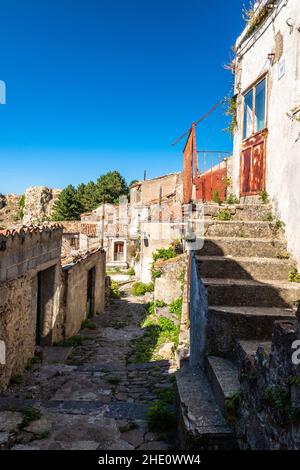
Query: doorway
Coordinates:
[118,251]
[45,302]
[253,154]
[91,278]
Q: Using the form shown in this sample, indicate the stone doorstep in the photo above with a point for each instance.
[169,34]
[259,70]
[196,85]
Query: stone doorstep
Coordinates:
[201,417]
[244,267]
[236,292]
[116,410]
[242,246]
[223,378]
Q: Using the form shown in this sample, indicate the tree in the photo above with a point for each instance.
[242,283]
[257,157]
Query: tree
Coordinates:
[132,183]
[67,206]
[111,186]
[87,194]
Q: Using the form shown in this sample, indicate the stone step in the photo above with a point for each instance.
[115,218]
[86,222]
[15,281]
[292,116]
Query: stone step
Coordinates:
[116,410]
[240,211]
[245,350]
[237,246]
[225,324]
[239,293]
[202,425]
[237,228]
[244,268]
[223,377]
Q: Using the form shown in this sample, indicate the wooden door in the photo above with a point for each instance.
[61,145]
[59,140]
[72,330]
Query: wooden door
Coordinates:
[253,164]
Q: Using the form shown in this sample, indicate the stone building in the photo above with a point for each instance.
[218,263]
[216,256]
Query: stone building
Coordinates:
[40,302]
[267,95]
[117,228]
[155,207]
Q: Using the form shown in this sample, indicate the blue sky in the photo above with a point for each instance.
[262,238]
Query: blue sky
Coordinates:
[99,85]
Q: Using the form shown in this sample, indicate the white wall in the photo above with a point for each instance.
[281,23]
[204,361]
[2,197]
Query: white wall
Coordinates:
[283,145]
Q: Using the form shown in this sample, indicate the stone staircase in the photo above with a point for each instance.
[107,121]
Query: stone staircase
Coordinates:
[244,266]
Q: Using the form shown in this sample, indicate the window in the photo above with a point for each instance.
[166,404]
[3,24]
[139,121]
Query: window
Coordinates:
[255,109]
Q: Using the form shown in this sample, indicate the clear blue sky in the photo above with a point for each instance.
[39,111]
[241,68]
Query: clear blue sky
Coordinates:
[98,85]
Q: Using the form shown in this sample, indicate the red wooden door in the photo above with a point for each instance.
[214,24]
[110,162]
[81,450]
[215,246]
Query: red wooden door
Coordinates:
[253,166]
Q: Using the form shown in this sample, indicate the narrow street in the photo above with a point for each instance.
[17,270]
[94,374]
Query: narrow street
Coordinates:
[93,395]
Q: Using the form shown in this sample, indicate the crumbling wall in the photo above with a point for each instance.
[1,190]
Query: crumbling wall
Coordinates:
[74,291]
[39,202]
[268,417]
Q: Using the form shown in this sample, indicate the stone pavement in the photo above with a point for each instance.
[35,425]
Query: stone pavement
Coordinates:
[93,399]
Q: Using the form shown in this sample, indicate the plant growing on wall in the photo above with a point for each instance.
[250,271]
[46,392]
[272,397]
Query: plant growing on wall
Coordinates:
[231,111]
[21,207]
[254,16]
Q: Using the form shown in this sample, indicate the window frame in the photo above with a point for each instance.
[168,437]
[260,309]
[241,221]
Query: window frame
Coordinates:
[253,89]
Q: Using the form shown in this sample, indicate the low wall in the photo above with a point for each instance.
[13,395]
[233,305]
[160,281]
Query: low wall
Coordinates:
[74,291]
[269,411]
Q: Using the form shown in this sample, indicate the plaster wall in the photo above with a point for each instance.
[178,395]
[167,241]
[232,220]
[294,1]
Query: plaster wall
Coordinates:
[283,98]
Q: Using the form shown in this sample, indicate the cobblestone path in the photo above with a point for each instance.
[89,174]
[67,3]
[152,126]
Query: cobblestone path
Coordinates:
[92,400]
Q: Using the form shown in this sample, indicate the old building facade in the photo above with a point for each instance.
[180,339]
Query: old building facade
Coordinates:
[267,94]
[41,302]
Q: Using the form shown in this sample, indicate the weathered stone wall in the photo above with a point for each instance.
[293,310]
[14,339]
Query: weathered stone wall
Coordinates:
[149,191]
[169,285]
[74,291]
[22,255]
[269,412]
[30,249]
[17,323]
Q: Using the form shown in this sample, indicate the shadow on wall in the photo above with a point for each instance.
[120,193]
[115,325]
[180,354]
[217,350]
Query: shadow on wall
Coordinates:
[240,306]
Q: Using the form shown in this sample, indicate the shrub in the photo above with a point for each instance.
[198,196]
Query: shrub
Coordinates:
[224,214]
[155,303]
[29,414]
[216,197]
[131,272]
[155,273]
[114,292]
[282,255]
[139,288]
[16,379]
[232,199]
[160,417]
[21,207]
[294,276]
[232,406]
[264,197]
[175,307]
[164,254]
[89,324]
[268,217]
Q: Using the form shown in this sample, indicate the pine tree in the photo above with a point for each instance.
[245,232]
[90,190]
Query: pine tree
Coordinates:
[111,186]
[87,194]
[68,205]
